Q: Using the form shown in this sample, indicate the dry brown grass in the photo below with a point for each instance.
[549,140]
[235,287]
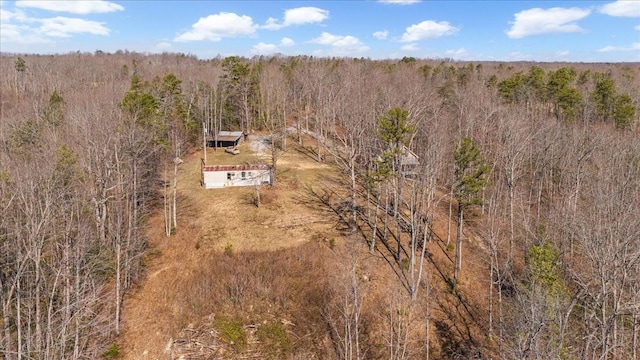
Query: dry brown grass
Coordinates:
[210,221]
[282,262]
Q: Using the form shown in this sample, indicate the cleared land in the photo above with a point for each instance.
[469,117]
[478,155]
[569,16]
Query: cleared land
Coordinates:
[211,222]
[282,263]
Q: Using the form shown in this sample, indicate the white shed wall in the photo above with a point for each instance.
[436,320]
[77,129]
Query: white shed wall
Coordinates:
[220,179]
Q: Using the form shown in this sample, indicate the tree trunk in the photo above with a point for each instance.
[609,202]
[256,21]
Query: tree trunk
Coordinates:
[491,299]
[458,263]
[398,216]
[49,334]
[284,128]
[247,117]
[386,215]
[38,303]
[427,319]
[19,317]
[166,207]
[511,223]
[133,222]
[204,142]
[374,235]
[354,192]
[118,286]
[78,321]
[449,218]
[318,134]
[7,328]
[635,326]
[174,224]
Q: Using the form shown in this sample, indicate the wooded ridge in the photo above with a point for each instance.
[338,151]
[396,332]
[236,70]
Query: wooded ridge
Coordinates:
[518,214]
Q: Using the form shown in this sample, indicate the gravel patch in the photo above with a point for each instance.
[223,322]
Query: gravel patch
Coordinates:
[260,144]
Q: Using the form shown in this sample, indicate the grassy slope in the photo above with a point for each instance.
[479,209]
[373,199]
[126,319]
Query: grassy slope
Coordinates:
[208,222]
[298,247]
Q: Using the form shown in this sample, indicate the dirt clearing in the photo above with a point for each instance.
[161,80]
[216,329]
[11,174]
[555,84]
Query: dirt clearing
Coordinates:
[213,221]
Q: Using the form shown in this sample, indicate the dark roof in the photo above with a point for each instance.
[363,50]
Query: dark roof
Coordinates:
[229,135]
[226,136]
[236,167]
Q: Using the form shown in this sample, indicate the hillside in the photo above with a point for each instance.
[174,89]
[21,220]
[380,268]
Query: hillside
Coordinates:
[223,263]
[216,224]
[224,235]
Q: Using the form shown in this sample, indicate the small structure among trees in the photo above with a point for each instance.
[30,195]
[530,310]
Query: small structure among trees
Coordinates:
[220,176]
[409,161]
[225,139]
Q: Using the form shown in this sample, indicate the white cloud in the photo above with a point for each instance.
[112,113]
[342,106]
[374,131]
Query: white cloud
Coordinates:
[399,2]
[634,47]
[516,56]
[298,16]
[64,27]
[271,24]
[18,28]
[336,40]
[341,45]
[410,47]
[264,49]
[163,46]
[428,30]
[621,8]
[538,21]
[609,48]
[6,15]
[287,42]
[14,15]
[637,27]
[74,7]
[562,53]
[381,35]
[456,52]
[9,32]
[20,34]
[305,15]
[218,26]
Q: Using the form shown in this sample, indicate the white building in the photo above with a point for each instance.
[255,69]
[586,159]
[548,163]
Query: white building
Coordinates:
[219,176]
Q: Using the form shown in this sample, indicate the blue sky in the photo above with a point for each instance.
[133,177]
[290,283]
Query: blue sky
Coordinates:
[576,31]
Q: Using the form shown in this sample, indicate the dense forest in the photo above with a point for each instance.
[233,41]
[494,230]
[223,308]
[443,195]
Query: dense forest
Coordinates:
[537,163]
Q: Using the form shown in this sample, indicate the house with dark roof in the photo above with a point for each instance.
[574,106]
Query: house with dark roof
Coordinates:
[225,139]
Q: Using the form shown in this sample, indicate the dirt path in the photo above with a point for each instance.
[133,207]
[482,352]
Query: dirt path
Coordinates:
[148,311]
